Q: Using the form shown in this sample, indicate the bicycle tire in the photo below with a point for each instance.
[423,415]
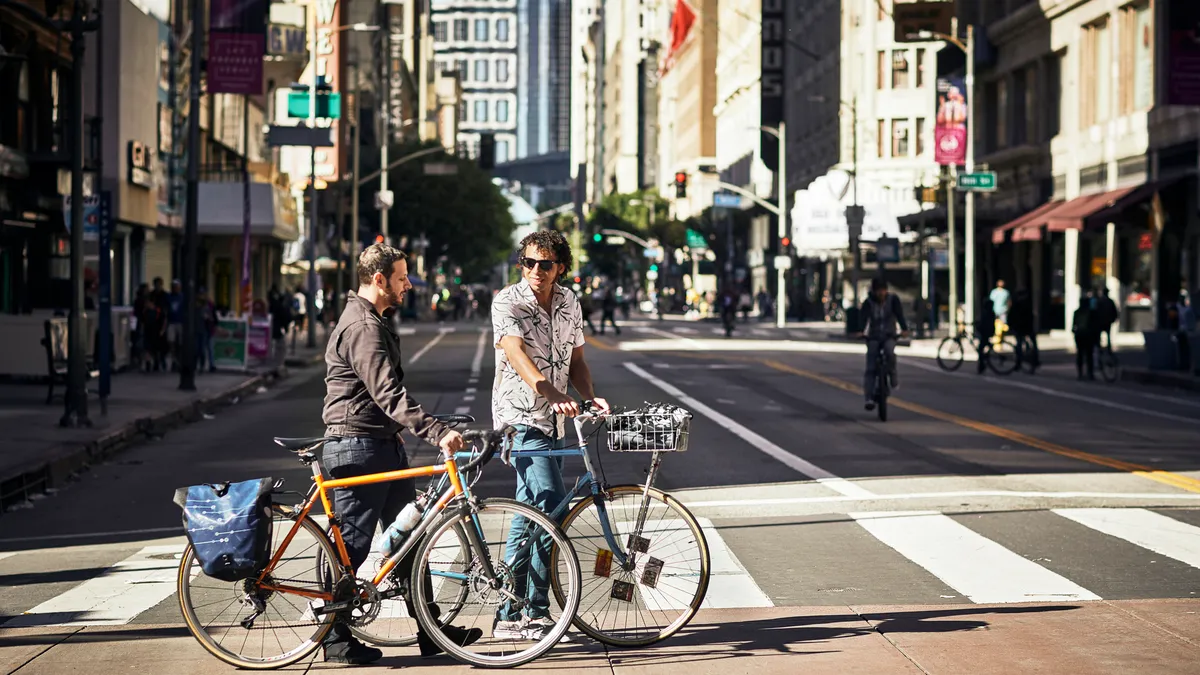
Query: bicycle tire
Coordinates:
[453,520]
[881,406]
[1002,356]
[449,613]
[950,354]
[198,628]
[585,619]
[1110,366]
[1029,356]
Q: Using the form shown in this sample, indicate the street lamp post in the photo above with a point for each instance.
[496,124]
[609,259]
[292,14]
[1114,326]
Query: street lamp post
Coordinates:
[854,230]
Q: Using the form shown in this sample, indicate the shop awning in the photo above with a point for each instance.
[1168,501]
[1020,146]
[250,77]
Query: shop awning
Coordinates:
[999,233]
[272,211]
[1071,215]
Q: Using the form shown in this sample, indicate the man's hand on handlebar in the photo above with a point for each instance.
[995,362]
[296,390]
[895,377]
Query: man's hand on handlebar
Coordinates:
[451,443]
[563,404]
[600,406]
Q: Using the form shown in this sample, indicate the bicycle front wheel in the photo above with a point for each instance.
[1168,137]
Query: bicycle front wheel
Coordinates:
[514,612]
[1002,356]
[1110,367]
[250,627]
[950,354]
[659,590]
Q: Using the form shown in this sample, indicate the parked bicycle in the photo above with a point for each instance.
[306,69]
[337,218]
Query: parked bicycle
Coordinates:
[999,354]
[1108,363]
[645,557]
[279,614]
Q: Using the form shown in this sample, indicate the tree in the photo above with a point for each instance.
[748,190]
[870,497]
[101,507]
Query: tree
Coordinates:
[465,217]
[631,212]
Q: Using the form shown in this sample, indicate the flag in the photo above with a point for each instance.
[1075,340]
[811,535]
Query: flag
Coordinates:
[682,20]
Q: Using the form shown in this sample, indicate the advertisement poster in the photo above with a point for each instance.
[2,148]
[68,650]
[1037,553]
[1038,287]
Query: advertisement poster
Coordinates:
[1183,69]
[950,132]
[230,344]
[259,339]
[236,43]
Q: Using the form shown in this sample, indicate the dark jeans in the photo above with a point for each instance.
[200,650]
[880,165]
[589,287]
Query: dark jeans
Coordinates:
[1085,347]
[539,484]
[607,317]
[361,509]
[889,346]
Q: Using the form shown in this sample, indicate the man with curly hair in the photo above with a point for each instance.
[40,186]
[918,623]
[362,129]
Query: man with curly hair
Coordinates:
[538,328]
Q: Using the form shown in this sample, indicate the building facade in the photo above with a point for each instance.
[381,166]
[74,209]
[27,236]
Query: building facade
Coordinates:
[544,80]
[479,39]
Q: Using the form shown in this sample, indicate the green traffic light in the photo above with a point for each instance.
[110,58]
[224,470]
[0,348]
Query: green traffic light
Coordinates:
[654,268]
[597,237]
[458,280]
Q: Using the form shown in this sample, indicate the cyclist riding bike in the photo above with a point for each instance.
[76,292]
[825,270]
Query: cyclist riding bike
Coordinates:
[881,312]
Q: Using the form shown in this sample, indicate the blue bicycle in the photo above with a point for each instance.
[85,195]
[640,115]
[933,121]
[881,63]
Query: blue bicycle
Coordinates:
[643,555]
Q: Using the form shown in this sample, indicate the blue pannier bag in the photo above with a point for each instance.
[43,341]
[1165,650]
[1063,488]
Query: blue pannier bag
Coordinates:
[229,526]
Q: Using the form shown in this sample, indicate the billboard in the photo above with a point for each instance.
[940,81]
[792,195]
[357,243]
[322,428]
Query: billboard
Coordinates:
[1183,54]
[950,131]
[236,44]
[772,79]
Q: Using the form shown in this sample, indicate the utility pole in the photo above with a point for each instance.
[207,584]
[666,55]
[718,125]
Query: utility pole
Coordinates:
[952,245]
[855,230]
[354,186]
[311,239]
[970,299]
[187,369]
[780,273]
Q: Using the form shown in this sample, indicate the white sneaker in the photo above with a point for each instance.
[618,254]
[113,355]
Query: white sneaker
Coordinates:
[508,630]
[536,628]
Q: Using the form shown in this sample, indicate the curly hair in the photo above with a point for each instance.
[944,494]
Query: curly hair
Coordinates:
[549,241]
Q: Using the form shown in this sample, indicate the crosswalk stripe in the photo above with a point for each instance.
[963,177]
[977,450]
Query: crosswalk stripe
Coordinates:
[979,568]
[1150,530]
[116,597]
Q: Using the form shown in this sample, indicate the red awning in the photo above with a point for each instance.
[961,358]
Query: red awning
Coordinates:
[999,233]
[1069,215]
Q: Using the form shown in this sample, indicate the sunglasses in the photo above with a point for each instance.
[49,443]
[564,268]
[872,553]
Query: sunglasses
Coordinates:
[544,265]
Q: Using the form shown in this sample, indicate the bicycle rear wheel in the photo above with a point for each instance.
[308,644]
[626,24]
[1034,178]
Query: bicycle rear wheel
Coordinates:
[1110,367]
[648,607]
[249,627]
[1002,356]
[950,354]
[497,522]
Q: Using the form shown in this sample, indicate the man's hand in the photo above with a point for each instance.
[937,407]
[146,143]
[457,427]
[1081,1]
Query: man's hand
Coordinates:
[602,406]
[451,443]
[904,334]
[562,404]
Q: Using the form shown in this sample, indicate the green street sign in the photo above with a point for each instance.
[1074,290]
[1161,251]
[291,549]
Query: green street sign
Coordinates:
[696,240]
[329,105]
[983,181]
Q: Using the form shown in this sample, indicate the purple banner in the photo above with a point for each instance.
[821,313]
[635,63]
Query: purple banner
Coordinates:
[1183,60]
[237,41]
[950,132]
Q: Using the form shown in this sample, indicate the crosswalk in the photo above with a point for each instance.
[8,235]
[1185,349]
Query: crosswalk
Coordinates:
[1083,554]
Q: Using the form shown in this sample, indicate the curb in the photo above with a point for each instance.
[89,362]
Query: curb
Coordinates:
[1176,380]
[64,462]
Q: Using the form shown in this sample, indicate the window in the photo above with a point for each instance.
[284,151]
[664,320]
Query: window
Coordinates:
[1137,59]
[920,78]
[1054,78]
[502,70]
[880,142]
[900,69]
[481,70]
[502,30]
[920,136]
[1029,108]
[461,66]
[439,31]
[881,68]
[501,151]
[899,138]
[501,112]
[1002,113]
[481,111]
[1019,126]
[1093,69]
[460,30]
[462,112]
[481,30]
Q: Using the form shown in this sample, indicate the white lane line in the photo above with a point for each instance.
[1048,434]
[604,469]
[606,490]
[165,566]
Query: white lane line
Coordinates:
[804,467]
[1074,397]
[468,398]
[471,390]
[730,584]
[428,346]
[1150,530]
[406,330]
[956,494]
[477,362]
[462,410]
[979,568]
[672,336]
[684,330]
[125,590]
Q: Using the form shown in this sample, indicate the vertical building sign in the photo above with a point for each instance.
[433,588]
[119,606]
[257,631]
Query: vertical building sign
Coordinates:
[772,79]
[395,70]
[236,44]
[950,132]
[1183,57]
[329,65]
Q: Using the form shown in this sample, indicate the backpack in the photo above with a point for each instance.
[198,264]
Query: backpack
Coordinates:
[229,526]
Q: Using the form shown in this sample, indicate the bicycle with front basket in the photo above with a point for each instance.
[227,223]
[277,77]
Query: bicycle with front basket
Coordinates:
[460,572]
[644,555]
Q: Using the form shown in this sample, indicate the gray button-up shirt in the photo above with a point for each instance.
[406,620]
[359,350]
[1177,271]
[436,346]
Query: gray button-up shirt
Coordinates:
[549,341]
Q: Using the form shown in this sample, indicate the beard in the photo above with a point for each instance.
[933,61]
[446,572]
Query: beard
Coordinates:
[393,298]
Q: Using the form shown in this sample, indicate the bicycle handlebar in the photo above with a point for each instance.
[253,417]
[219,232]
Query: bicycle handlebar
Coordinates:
[491,441]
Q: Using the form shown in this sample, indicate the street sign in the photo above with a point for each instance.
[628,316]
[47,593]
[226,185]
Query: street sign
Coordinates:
[887,250]
[440,169]
[91,216]
[783,262]
[653,253]
[695,240]
[727,201]
[981,181]
[615,241]
[911,18]
[329,105]
[301,136]
[855,215]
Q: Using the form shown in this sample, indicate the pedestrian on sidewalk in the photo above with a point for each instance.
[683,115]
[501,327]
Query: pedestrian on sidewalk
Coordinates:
[538,327]
[1084,326]
[206,328]
[175,325]
[366,408]
[608,311]
[587,306]
[280,307]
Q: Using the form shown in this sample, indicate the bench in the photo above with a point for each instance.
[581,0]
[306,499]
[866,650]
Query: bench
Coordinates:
[54,340]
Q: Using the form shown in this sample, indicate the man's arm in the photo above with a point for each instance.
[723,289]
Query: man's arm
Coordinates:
[865,315]
[367,354]
[581,375]
[898,310]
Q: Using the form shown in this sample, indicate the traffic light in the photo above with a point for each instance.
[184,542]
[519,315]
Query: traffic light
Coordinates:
[653,268]
[597,237]
[487,151]
[379,239]
[680,184]
[786,242]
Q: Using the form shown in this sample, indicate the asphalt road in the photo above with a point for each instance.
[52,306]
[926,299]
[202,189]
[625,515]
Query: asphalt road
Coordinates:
[979,491]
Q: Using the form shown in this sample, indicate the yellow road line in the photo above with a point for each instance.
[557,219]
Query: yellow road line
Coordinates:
[1173,479]
[601,344]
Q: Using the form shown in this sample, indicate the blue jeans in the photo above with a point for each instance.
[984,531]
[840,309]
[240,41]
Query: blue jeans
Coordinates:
[539,484]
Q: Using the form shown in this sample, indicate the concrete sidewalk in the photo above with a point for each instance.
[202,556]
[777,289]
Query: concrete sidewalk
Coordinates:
[1160,636]
[38,454]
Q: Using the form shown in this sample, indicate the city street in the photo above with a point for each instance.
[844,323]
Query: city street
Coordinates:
[998,525]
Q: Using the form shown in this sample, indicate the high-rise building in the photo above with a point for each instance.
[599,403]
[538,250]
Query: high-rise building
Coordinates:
[478,39]
[544,81]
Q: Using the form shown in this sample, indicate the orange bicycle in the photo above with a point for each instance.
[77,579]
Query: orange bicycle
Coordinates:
[460,572]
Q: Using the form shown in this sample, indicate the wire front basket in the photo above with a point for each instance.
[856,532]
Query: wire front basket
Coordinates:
[653,428]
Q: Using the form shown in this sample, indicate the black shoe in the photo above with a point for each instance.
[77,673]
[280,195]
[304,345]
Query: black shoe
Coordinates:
[870,405]
[459,636]
[351,652]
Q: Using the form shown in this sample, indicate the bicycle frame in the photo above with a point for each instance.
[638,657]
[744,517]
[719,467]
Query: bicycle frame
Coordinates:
[319,491]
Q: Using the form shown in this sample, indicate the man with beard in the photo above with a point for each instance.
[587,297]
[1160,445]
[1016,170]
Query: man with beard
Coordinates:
[366,408]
